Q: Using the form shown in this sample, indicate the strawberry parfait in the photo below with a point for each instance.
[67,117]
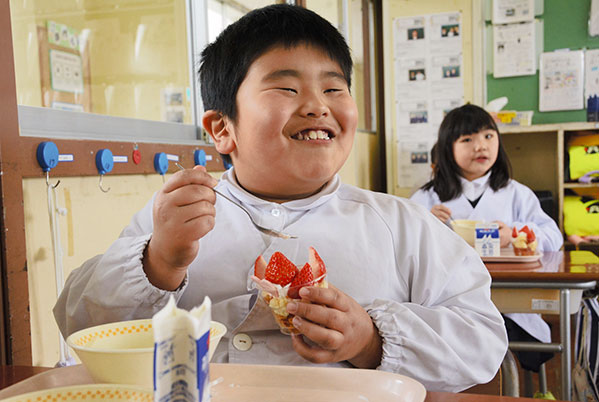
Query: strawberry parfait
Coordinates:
[280,280]
[524,241]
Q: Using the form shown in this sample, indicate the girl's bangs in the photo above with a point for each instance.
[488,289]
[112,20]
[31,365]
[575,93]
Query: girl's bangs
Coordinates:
[471,123]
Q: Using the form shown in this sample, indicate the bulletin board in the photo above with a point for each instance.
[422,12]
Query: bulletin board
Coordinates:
[565,26]
[52,95]
[394,9]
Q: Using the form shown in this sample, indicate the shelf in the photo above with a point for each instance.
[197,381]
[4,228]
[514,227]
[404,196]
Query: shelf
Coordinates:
[544,146]
[581,185]
[549,128]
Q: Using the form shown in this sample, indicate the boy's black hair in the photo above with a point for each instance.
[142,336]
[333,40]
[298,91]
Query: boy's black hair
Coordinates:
[226,61]
[467,119]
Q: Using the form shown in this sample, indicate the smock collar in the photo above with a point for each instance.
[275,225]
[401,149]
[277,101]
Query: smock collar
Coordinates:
[230,181]
[472,190]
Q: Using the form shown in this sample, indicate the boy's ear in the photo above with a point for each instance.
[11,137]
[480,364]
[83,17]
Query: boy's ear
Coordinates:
[219,127]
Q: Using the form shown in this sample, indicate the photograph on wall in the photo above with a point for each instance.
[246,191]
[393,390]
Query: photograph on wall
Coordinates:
[418,117]
[419,157]
[413,163]
[417,74]
[448,31]
[451,71]
[415,33]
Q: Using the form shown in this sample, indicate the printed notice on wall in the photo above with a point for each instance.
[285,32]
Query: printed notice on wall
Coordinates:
[514,50]
[594,18]
[508,11]
[591,74]
[428,77]
[561,81]
[66,73]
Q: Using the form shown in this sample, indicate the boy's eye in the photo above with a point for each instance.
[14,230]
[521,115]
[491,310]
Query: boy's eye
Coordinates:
[288,89]
[332,90]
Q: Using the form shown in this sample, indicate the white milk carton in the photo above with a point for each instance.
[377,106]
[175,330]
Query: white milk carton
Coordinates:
[486,239]
[181,344]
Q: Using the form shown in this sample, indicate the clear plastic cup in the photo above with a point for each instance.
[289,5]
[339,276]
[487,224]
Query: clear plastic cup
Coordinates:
[278,304]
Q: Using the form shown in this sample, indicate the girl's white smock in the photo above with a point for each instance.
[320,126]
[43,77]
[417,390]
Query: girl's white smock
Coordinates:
[514,205]
[426,291]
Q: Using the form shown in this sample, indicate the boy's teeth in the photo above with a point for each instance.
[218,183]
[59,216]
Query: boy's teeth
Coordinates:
[312,135]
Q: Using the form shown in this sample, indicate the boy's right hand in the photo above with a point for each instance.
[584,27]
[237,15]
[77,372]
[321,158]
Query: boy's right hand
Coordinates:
[441,212]
[183,213]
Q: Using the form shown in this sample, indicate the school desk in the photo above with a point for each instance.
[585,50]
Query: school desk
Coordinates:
[15,380]
[551,285]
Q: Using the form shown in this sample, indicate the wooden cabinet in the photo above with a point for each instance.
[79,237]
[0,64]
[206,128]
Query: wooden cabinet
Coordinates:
[537,154]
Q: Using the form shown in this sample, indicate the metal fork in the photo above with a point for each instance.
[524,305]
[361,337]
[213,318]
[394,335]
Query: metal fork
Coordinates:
[270,232]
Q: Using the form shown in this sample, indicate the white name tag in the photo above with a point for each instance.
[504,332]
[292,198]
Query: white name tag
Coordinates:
[539,304]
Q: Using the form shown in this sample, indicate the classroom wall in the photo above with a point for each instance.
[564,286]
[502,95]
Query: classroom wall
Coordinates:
[94,219]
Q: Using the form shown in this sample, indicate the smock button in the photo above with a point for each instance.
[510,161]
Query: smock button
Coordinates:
[275,212]
[242,342]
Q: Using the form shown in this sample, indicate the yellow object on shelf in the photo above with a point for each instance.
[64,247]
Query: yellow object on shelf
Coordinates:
[513,118]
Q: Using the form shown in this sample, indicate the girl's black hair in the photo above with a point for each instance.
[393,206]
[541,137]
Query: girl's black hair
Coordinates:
[467,119]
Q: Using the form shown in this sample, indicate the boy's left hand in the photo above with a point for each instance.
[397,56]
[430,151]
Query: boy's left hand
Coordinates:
[338,326]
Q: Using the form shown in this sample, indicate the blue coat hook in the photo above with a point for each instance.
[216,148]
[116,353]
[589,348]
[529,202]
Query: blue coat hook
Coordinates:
[47,157]
[104,164]
[160,163]
[199,157]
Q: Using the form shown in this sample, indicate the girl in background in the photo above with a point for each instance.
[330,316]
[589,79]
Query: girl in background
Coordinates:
[472,180]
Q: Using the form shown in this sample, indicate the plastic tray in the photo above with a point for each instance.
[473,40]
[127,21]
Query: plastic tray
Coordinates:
[245,383]
[507,255]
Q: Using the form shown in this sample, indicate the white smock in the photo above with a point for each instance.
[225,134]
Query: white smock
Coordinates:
[432,307]
[514,205]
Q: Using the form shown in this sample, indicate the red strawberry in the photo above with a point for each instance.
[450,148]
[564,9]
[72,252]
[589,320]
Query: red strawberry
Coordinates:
[514,232]
[280,270]
[318,268]
[530,235]
[260,267]
[303,278]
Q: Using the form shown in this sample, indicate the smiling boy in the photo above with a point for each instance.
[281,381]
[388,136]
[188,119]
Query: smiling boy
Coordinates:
[405,291]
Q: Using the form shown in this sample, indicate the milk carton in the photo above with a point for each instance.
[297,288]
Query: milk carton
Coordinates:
[486,239]
[181,353]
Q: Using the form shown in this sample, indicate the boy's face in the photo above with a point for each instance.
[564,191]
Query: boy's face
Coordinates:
[295,126]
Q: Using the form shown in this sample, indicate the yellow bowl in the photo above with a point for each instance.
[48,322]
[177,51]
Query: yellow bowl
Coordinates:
[87,393]
[465,228]
[123,352]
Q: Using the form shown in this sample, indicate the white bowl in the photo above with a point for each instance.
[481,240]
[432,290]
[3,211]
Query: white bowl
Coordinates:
[465,228]
[123,352]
